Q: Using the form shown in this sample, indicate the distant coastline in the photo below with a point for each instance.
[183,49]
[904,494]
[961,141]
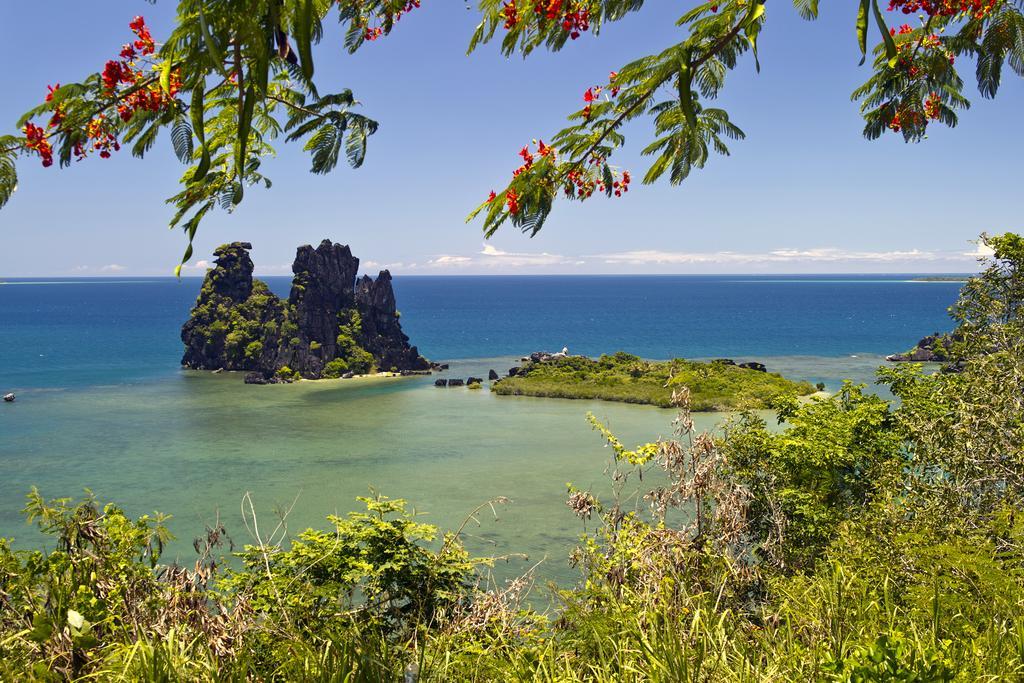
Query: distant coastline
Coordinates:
[941,278]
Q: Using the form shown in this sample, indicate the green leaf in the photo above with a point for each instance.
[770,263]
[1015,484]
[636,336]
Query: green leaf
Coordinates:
[181,140]
[75,620]
[890,44]
[807,9]
[355,144]
[198,116]
[304,36]
[8,178]
[216,56]
[862,28]
[42,628]
[244,128]
[165,74]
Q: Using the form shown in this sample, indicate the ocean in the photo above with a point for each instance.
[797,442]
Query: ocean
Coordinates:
[103,404]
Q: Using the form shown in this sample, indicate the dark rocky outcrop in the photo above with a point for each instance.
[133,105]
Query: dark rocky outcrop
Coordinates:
[474,380]
[440,383]
[455,383]
[492,375]
[331,325]
[931,349]
[9,398]
[725,361]
[752,365]
[512,372]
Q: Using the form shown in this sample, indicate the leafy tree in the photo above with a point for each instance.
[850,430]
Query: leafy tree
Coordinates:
[235,75]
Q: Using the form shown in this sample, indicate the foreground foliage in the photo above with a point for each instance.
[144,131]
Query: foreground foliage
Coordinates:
[862,542]
[624,377]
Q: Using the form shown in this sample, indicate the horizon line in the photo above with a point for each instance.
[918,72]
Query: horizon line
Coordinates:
[115,277]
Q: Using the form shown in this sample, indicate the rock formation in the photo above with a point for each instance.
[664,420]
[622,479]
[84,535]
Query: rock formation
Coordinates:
[931,349]
[331,325]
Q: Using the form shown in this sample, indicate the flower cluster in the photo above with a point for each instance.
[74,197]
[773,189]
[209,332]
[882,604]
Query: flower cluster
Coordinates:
[35,140]
[103,141]
[978,9]
[144,42]
[375,32]
[127,83]
[510,13]
[58,112]
[914,57]
[573,17]
[581,183]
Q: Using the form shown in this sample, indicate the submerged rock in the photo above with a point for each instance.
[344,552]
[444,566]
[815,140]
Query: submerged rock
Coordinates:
[330,325]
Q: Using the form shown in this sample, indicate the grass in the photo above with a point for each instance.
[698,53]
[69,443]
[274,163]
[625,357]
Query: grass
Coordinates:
[626,378]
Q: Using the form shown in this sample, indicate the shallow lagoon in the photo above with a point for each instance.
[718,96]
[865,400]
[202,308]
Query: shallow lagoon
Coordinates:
[102,404]
[193,444]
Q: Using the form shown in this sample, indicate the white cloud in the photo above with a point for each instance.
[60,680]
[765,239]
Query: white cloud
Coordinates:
[112,268]
[497,257]
[449,260]
[202,264]
[279,269]
[492,259]
[981,250]
[816,255]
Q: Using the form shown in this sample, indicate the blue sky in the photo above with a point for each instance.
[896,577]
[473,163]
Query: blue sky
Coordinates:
[803,193]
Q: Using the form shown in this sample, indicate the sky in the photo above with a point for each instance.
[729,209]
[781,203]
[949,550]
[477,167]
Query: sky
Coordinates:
[804,193]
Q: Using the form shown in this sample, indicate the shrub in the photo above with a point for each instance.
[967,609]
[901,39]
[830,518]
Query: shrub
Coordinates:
[253,350]
[334,369]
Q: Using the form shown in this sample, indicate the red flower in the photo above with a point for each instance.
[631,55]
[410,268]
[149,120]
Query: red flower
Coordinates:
[35,140]
[512,199]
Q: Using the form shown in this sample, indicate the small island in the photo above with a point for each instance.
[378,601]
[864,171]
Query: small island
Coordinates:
[718,385]
[333,324]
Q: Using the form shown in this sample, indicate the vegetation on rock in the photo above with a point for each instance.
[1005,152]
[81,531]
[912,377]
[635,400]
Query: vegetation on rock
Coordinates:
[624,377]
[239,324]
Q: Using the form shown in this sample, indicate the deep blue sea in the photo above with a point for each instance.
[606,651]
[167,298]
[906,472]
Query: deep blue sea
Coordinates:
[104,405]
[77,333]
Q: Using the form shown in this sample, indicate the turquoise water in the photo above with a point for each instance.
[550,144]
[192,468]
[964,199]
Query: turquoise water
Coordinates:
[103,404]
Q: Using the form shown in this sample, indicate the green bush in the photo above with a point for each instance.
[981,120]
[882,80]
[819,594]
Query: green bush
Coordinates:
[336,368]
[254,349]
